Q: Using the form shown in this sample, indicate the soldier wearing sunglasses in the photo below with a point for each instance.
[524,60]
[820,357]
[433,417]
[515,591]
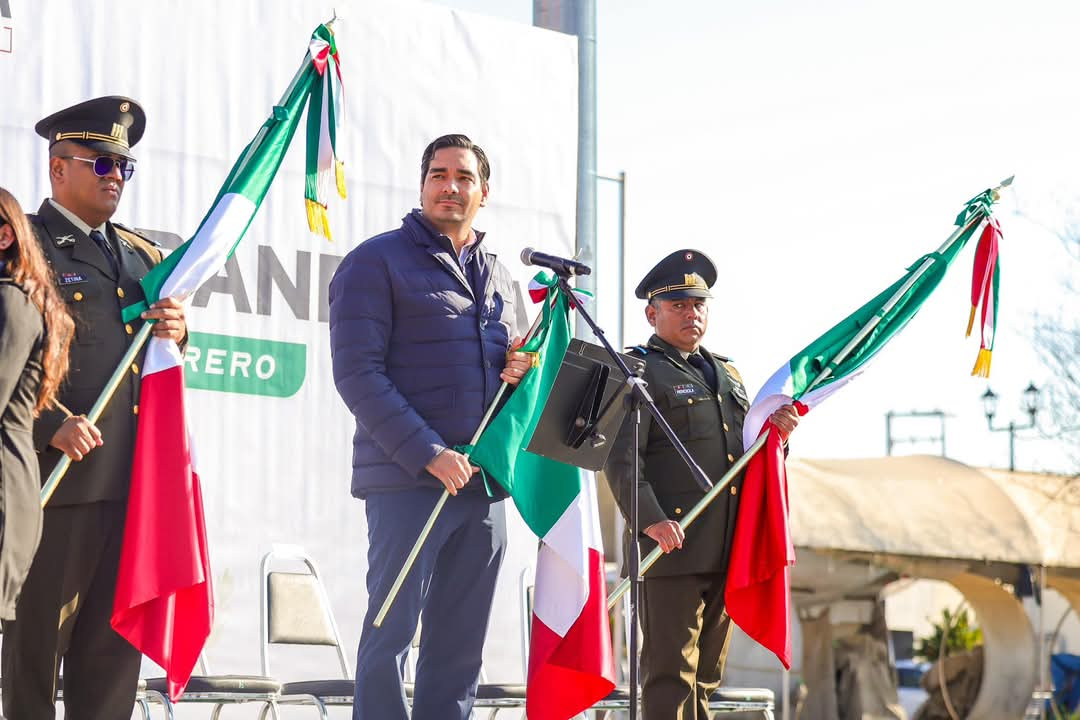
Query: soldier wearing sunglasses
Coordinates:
[66,602]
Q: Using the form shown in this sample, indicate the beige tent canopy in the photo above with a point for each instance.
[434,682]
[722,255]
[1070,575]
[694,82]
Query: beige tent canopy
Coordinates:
[859,524]
[916,506]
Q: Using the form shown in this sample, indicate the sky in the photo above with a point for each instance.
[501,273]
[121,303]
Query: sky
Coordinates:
[814,151]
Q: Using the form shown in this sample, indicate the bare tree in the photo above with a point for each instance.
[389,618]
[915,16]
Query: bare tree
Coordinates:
[1056,331]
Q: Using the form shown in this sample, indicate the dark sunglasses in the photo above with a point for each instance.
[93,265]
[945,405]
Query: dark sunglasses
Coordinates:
[103,165]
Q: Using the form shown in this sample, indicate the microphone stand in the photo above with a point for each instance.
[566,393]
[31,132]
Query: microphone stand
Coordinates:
[637,397]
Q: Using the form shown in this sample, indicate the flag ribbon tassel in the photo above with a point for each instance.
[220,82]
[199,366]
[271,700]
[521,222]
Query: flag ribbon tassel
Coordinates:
[542,283]
[325,111]
[985,276]
[975,211]
[533,340]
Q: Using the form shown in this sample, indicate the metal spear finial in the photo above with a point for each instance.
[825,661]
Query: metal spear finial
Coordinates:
[996,192]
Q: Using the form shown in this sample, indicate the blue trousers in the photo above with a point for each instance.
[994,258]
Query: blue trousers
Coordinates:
[451,586]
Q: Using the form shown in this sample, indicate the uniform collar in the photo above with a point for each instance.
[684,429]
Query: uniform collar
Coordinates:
[76,220]
[657,343]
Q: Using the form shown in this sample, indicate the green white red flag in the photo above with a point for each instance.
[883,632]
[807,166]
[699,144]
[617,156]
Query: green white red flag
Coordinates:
[570,658]
[757,593]
[164,600]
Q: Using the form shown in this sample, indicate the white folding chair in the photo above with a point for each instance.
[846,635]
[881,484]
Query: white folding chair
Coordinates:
[295,610]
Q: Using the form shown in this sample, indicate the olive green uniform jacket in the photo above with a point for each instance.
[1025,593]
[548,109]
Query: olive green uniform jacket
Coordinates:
[95,296]
[710,424]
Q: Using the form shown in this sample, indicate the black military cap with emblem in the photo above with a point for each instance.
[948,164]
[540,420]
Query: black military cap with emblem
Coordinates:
[682,274]
[111,124]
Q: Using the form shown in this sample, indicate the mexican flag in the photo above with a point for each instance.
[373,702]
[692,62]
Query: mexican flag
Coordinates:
[164,602]
[570,658]
[758,585]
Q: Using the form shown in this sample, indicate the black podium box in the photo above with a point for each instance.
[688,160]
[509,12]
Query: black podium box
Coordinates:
[586,407]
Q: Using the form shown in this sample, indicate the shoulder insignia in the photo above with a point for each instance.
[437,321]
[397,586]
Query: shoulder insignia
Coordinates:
[732,371]
[133,231]
[638,350]
[720,358]
[161,239]
[133,241]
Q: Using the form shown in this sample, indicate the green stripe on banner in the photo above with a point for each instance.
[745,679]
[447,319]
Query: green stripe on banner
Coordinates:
[248,366]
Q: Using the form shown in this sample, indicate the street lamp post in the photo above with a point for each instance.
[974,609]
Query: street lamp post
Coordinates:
[1031,407]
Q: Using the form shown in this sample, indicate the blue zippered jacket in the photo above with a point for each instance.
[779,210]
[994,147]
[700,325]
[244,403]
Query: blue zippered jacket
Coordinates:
[416,350]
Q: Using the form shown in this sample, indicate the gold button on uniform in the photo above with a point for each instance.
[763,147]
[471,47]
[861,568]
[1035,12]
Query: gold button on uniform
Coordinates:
[78,297]
[734,490]
[129,330]
[690,401]
[726,428]
[120,292]
[730,457]
[678,511]
[135,369]
[135,410]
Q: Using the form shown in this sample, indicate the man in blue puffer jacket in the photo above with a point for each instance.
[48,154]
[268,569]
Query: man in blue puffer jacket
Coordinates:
[422,322]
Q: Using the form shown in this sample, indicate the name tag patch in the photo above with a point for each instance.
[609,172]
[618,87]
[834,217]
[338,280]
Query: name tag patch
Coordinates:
[684,390]
[71,278]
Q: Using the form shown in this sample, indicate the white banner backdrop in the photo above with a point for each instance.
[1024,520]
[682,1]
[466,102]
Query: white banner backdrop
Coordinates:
[272,437]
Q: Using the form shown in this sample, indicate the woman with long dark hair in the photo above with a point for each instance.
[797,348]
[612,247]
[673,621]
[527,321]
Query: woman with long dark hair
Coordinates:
[35,331]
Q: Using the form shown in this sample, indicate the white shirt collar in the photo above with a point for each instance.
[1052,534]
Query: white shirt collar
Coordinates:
[465,248]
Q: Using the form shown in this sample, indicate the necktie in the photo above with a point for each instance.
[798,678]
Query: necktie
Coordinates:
[106,249]
[704,367]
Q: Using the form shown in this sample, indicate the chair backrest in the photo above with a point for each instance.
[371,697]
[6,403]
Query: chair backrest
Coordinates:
[294,607]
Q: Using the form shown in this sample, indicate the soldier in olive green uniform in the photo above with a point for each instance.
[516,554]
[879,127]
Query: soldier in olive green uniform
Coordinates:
[685,628]
[66,603]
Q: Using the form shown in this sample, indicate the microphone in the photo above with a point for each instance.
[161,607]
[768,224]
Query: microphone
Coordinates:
[560,266]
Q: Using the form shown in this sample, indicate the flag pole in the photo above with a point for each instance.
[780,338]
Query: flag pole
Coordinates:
[649,560]
[426,530]
[976,217]
[96,411]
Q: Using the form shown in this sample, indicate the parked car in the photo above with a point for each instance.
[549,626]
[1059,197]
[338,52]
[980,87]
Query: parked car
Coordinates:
[908,675]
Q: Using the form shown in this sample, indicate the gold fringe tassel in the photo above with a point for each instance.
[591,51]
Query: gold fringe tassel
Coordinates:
[339,175]
[317,220]
[982,363]
[971,321]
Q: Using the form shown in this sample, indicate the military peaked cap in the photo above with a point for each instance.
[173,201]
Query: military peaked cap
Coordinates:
[111,124]
[682,274]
